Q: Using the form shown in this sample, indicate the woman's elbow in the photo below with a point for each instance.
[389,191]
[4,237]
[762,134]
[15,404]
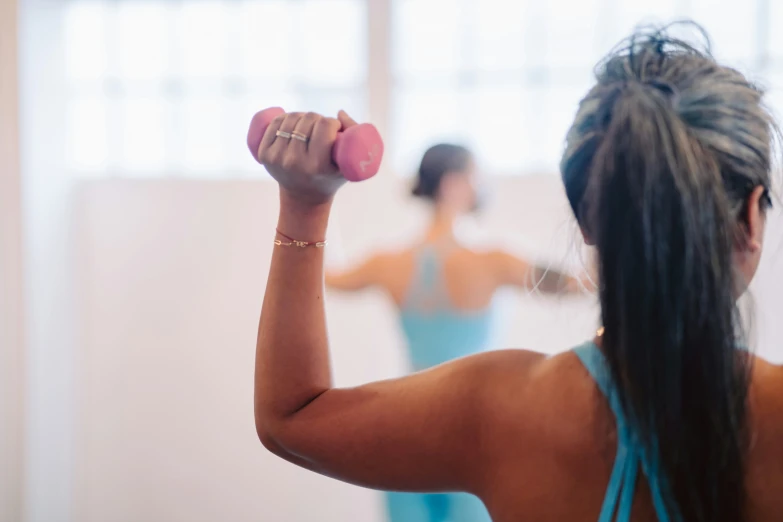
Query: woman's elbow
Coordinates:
[266,434]
[270,439]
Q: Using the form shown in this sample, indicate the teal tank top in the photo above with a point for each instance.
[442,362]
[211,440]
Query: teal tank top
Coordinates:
[631,456]
[435,331]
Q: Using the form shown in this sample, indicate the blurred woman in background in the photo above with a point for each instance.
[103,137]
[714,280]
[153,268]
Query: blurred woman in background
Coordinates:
[445,295]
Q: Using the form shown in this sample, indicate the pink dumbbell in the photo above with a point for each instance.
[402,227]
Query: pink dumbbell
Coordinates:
[357,152]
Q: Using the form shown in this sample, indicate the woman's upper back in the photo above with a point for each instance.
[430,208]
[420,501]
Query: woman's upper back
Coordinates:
[439,275]
[556,406]
[436,329]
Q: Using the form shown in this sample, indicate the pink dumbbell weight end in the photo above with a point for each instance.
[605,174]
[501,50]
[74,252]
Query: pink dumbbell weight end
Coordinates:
[357,152]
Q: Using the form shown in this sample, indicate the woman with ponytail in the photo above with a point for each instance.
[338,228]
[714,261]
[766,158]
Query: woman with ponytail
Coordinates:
[664,416]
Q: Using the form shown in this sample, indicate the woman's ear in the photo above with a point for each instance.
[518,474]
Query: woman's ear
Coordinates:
[754,222]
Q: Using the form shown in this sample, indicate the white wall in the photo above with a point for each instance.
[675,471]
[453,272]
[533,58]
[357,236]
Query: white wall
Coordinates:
[11,317]
[171,279]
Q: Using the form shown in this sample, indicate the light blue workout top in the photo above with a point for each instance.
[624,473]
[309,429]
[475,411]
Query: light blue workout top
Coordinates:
[630,453]
[436,332]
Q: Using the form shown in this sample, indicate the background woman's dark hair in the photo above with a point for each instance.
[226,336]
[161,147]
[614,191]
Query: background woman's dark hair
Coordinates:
[662,156]
[439,160]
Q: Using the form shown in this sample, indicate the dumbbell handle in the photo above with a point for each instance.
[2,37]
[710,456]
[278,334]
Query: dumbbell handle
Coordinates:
[357,151]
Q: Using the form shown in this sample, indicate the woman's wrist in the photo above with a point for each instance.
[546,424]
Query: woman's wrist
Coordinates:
[303,220]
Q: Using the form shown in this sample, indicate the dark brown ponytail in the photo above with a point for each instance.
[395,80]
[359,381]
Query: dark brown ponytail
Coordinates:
[663,154]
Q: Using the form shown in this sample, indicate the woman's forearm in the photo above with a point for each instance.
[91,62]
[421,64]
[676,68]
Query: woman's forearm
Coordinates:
[292,359]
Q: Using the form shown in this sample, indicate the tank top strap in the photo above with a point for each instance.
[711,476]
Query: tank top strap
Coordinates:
[595,363]
[630,452]
[427,289]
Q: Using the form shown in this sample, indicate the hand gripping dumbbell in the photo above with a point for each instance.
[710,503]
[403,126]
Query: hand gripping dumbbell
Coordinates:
[357,152]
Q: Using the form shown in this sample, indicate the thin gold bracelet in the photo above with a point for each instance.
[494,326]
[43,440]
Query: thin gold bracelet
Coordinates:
[300,244]
[296,243]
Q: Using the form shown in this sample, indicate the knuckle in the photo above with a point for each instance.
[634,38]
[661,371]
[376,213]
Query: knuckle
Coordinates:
[263,155]
[267,155]
[288,161]
[294,116]
[327,126]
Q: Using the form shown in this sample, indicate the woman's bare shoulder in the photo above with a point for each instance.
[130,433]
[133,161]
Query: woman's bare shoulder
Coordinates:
[548,403]
[765,458]
[766,393]
[544,386]
[767,377]
[535,371]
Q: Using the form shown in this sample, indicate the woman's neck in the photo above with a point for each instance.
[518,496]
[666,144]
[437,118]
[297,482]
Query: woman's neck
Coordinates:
[441,227]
